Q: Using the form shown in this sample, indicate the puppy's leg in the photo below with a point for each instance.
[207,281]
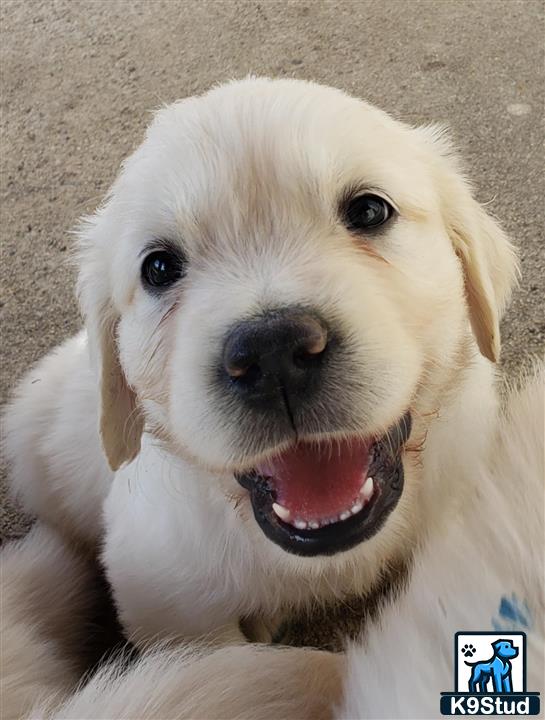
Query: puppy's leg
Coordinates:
[167,553]
[58,469]
[47,593]
[248,682]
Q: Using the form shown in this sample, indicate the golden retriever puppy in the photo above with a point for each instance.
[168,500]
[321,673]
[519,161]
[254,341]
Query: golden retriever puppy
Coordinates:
[491,551]
[291,305]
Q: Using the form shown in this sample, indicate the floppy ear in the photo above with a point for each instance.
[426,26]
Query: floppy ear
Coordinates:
[488,258]
[490,270]
[121,419]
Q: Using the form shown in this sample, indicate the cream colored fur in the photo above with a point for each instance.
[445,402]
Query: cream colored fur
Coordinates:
[247,180]
[46,597]
[490,549]
[250,682]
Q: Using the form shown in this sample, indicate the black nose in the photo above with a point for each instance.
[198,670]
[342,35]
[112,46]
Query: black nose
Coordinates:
[277,356]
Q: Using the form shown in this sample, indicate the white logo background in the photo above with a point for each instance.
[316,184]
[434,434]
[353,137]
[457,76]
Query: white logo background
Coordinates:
[483,652]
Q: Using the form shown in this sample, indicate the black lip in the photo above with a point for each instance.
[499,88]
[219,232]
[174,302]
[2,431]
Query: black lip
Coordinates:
[386,469]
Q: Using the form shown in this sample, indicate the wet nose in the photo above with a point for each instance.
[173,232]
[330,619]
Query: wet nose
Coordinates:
[280,354]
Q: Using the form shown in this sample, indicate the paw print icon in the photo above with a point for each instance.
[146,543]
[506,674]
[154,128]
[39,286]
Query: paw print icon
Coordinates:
[468,650]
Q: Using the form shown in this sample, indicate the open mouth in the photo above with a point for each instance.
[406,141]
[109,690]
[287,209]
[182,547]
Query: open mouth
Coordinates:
[324,497]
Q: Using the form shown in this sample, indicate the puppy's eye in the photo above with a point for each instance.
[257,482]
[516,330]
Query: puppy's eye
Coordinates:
[162,268]
[367,212]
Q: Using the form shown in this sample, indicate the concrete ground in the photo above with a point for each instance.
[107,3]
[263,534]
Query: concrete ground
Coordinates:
[80,77]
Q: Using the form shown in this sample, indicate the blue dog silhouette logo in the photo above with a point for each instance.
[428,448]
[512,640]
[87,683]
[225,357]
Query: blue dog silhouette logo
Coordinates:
[497,669]
[490,675]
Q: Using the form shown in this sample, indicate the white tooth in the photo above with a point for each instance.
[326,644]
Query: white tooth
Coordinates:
[300,524]
[314,525]
[344,515]
[368,489]
[356,508]
[282,512]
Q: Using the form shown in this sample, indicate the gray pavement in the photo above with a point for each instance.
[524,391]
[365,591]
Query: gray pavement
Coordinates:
[79,79]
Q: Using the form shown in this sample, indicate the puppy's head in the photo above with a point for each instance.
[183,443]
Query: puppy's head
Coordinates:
[279,274]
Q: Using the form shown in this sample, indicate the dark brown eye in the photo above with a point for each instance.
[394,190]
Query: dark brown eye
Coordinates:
[366,212]
[162,268]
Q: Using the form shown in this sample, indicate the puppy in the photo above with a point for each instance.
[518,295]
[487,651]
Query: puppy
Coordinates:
[291,306]
[458,581]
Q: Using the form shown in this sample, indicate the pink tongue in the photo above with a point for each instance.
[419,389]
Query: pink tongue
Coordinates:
[320,479]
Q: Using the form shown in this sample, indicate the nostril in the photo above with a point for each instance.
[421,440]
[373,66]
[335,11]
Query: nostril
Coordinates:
[311,346]
[316,344]
[236,372]
[303,359]
[239,360]
[247,376]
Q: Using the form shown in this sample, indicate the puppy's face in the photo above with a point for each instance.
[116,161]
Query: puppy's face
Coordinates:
[278,281]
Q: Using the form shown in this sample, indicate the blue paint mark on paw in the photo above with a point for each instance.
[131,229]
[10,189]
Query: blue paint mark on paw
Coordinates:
[513,614]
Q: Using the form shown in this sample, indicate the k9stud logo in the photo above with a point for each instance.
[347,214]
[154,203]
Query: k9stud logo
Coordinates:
[490,676]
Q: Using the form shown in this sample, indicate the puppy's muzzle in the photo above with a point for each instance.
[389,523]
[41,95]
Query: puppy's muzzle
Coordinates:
[278,357]
[316,496]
